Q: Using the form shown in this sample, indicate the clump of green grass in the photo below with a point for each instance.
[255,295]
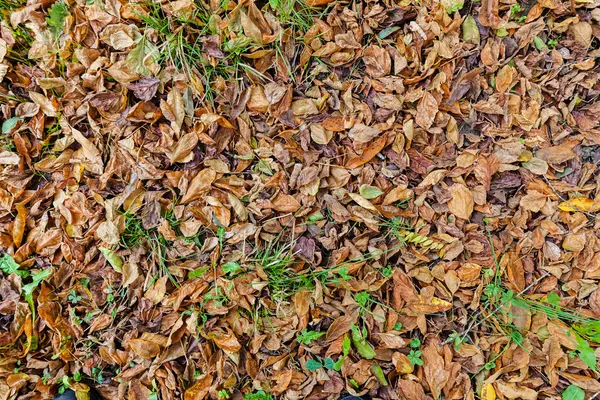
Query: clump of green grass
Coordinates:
[134,232]
[22,35]
[277,261]
[11,5]
[259,395]
[181,44]
[295,14]
[497,301]
[135,235]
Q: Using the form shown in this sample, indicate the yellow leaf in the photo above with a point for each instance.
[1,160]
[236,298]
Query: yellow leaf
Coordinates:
[579,204]
[488,392]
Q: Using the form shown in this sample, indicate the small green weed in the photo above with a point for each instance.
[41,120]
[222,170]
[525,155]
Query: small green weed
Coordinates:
[73,297]
[365,300]
[457,339]
[314,364]
[259,395]
[56,17]
[515,10]
[414,357]
[65,383]
[359,340]
[307,337]
[223,394]
[8,266]
[387,271]
[552,43]
[153,393]
[97,375]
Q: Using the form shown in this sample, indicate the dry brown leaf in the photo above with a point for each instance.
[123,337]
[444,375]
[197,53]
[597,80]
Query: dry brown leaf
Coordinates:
[200,389]
[488,14]
[426,111]
[461,203]
[225,340]
[183,150]
[200,185]
[434,370]
[285,203]
[144,348]
[339,327]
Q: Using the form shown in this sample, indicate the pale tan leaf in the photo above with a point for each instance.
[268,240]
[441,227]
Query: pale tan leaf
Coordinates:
[461,203]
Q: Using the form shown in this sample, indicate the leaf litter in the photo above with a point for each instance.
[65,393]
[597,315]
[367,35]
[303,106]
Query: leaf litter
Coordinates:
[288,199]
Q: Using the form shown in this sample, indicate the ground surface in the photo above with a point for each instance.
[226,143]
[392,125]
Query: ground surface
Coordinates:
[264,200]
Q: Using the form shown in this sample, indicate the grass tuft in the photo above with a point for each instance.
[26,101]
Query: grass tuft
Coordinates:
[496,308]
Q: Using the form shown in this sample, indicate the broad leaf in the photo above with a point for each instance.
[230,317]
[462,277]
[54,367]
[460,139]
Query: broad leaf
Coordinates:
[573,393]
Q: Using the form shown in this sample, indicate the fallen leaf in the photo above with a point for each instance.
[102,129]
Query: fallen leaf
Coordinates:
[369,152]
[461,203]
[201,184]
[339,327]
[144,348]
[488,14]
[426,111]
[579,204]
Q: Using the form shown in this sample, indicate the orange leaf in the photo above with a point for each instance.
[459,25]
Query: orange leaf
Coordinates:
[371,151]
[334,124]
[285,203]
[200,388]
[225,340]
[18,228]
[199,185]
[435,305]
